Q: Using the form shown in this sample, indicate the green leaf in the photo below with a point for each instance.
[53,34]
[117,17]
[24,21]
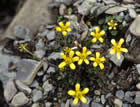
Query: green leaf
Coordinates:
[114,33]
[101,21]
[120,27]
[118,18]
[108,18]
[59,18]
[105,27]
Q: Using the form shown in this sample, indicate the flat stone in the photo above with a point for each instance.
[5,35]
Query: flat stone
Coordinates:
[22,87]
[93,104]
[85,6]
[48,104]
[51,70]
[40,53]
[109,2]
[47,87]
[51,35]
[37,95]
[62,9]
[54,56]
[97,92]
[125,105]
[9,90]
[137,98]
[138,86]
[138,68]
[115,10]
[27,70]
[35,105]
[128,1]
[134,27]
[40,44]
[120,94]
[103,100]
[118,102]
[19,100]
[132,13]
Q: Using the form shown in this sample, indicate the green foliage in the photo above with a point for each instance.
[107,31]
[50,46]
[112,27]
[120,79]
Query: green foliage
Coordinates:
[59,19]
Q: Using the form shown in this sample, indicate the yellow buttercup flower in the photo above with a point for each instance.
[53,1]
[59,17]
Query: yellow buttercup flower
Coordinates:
[67,50]
[97,35]
[98,60]
[68,60]
[78,94]
[64,28]
[23,47]
[112,25]
[83,56]
[116,48]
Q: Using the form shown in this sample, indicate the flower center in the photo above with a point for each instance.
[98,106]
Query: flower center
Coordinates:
[78,94]
[117,48]
[98,60]
[68,60]
[64,28]
[83,56]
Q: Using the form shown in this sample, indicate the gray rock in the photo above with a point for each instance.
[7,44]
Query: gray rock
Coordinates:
[51,70]
[47,86]
[120,94]
[22,87]
[62,9]
[84,35]
[45,66]
[122,15]
[39,53]
[85,6]
[54,56]
[118,102]
[103,100]
[40,73]
[45,78]
[125,105]
[97,92]
[27,70]
[108,95]
[109,1]
[40,44]
[51,35]
[22,32]
[67,103]
[19,100]
[115,10]
[9,90]
[34,84]
[67,2]
[138,86]
[129,99]
[72,17]
[128,1]
[114,59]
[43,34]
[134,27]
[137,98]
[48,104]
[37,95]
[138,68]
[132,13]
[88,102]
[127,18]
[35,105]
[62,105]
[97,100]
[93,104]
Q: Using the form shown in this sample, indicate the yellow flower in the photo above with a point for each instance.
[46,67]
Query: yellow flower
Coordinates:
[78,94]
[97,35]
[63,28]
[112,25]
[23,47]
[83,56]
[116,48]
[68,60]
[67,50]
[98,60]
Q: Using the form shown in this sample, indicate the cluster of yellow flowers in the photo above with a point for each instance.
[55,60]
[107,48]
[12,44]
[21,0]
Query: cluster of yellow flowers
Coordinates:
[82,57]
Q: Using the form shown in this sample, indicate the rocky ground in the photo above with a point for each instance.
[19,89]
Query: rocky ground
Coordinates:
[31,78]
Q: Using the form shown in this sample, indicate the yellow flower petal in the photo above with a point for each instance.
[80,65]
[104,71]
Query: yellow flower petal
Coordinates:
[97,29]
[75,58]
[58,29]
[109,23]
[124,50]
[92,58]
[84,49]
[71,92]
[72,66]
[101,39]
[77,87]
[92,33]
[95,64]
[97,54]
[114,28]
[89,53]
[64,33]
[61,24]
[102,59]
[120,42]
[67,24]
[86,61]
[102,32]
[62,64]
[83,99]
[118,55]
[115,24]
[112,51]
[101,66]
[78,53]
[69,29]
[113,42]
[63,55]
[85,91]
[94,40]
[75,101]
[80,61]
[110,28]
[71,54]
